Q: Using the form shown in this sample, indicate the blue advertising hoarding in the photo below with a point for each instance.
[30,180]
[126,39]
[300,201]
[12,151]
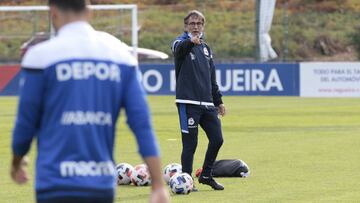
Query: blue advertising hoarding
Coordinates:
[277,79]
[233,79]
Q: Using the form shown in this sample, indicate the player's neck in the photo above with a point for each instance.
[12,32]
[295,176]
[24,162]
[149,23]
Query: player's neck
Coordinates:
[68,18]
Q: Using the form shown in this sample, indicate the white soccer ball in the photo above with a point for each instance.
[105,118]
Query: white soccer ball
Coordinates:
[124,171]
[141,175]
[171,170]
[181,183]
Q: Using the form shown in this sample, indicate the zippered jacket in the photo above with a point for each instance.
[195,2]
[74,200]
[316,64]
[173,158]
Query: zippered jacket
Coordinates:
[71,91]
[195,73]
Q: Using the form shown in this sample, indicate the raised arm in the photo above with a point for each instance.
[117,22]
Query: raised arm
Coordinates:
[181,48]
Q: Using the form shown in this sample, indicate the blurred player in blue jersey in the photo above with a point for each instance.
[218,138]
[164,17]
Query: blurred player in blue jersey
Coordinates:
[72,89]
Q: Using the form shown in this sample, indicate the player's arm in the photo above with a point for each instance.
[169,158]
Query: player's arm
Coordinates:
[138,114]
[139,121]
[159,193]
[27,120]
[181,48]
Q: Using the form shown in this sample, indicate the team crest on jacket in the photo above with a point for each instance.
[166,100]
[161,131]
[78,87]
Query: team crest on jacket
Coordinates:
[191,121]
[206,52]
[192,56]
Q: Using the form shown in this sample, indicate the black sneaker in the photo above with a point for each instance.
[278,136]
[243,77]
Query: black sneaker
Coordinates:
[211,182]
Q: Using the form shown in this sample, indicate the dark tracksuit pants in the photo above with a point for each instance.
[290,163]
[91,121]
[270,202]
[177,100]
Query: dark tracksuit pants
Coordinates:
[190,117]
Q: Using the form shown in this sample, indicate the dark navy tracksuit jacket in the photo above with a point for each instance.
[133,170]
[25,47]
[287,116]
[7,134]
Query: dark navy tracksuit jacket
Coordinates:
[195,73]
[197,96]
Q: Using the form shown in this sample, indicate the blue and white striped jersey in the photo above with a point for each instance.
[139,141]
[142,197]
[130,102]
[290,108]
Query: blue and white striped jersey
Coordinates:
[72,89]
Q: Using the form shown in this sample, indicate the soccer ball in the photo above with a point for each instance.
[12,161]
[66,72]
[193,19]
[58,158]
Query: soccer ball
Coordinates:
[141,175]
[123,171]
[170,170]
[181,183]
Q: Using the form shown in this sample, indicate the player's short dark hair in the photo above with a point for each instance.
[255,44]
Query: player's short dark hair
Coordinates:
[194,13]
[70,5]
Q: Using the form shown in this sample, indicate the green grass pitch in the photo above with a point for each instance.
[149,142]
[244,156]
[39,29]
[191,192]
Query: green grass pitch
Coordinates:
[298,150]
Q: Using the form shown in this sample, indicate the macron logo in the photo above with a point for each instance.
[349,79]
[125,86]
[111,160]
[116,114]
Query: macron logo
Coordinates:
[85,70]
[83,168]
[85,118]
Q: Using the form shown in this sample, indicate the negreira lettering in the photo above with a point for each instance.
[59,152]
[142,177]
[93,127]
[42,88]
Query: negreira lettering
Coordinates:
[249,80]
[158,80]
[240,80]
[85,70]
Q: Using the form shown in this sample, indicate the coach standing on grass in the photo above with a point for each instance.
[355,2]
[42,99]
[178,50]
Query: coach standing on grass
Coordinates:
[197,96]
[72,89]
